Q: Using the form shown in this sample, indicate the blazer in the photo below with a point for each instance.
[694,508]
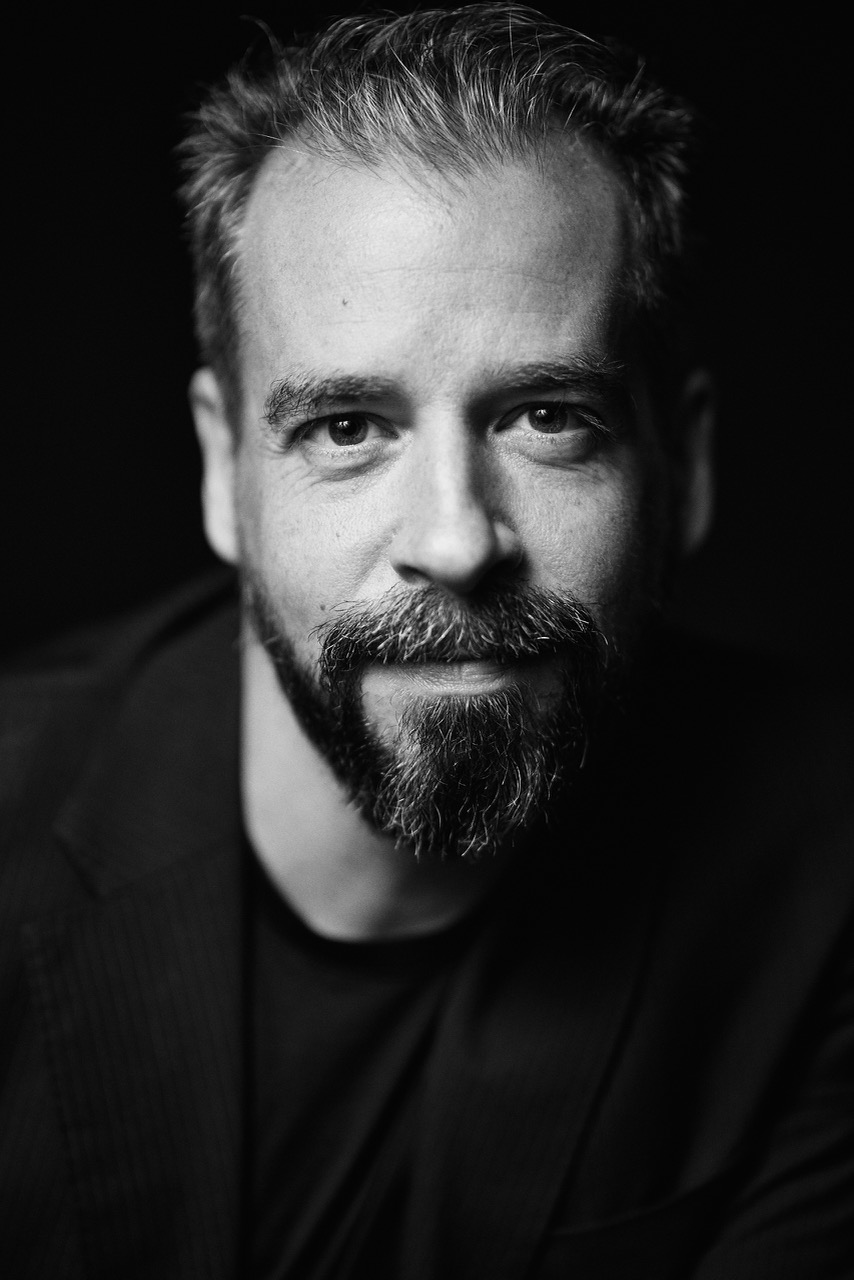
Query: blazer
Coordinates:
[644,1066]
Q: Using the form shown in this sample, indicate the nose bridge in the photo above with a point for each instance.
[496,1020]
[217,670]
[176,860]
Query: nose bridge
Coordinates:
[450,470]
[450,532]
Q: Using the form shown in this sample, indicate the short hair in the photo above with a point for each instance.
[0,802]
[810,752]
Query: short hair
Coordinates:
[453,90]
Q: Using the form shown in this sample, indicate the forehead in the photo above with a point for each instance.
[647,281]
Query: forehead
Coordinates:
[341,263]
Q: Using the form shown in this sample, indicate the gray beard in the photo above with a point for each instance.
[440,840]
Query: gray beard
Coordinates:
[464,774]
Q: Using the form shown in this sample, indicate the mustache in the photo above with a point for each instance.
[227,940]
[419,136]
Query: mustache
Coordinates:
[502,624]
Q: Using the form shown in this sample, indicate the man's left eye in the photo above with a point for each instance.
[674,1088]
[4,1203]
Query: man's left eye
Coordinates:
[347,429]
[550,419]
[556,432]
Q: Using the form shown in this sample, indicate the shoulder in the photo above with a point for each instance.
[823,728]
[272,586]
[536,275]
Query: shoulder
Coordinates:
[748,778]
[58,703]
[733,777]
[80,666]
[739,725]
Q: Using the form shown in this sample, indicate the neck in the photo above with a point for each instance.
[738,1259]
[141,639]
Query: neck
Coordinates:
[343,878]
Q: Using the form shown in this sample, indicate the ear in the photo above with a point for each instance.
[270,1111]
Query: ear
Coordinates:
[219,449]
[695,428]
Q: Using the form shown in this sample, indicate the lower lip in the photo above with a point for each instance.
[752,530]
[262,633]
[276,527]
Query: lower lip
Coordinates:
[448,678]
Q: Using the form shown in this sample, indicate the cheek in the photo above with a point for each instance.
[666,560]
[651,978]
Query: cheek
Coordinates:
[301,548]
[594,545]
[276,548]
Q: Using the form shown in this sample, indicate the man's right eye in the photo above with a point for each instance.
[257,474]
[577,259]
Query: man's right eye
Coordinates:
[342,431]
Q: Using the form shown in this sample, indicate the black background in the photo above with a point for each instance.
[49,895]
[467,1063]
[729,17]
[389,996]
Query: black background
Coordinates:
[100,473]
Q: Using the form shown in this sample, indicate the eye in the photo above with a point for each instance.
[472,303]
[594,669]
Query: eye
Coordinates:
[557,418]
[549,418]
[343,444]
[555,432]
[345,430]
[342,431]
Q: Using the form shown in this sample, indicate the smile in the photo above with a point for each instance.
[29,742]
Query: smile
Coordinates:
[457,677]
[452,678]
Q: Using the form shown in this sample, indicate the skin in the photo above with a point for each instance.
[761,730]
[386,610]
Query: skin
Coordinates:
[461,469]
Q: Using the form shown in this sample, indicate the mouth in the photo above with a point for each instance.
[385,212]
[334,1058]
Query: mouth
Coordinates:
[459,679]
[453,677]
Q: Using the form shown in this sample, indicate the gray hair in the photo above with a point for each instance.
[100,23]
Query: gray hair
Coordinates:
[453,90]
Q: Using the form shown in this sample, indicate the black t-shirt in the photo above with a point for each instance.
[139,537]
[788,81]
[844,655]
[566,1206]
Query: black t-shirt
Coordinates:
[340,1034]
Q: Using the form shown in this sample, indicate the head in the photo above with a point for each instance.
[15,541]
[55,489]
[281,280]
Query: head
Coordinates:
[439,263]
[453,90]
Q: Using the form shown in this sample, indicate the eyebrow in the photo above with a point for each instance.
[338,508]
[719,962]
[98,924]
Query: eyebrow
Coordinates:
[304,395]
[602,379]
[299,395]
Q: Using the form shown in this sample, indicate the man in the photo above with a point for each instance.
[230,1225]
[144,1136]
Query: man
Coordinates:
[431,912]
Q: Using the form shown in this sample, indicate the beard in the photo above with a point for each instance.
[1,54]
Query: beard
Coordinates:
[461,775]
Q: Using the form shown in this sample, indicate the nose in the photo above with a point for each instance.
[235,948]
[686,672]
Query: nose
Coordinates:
[449,533]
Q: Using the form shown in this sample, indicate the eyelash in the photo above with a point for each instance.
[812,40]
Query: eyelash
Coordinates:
[302,432]
[587,419]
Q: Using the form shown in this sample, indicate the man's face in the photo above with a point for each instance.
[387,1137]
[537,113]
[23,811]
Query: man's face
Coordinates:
[434,399]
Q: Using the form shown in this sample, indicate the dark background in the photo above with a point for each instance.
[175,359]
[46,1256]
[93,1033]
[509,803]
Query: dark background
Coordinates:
[100,475]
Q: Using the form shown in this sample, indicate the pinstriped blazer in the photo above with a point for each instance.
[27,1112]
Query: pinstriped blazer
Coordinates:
[644,1067]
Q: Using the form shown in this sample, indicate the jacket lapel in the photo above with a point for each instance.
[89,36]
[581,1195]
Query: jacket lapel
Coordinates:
[140,1007]
[139,993]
